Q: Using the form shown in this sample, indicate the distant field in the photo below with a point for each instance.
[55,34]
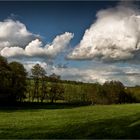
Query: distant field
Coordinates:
[113,121]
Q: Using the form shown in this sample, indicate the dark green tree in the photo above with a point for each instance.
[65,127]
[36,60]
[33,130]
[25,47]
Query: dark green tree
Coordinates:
[115,92]
[18,80]
[5,80]
[54,78]
[12,81]
[56,89]
[56,92]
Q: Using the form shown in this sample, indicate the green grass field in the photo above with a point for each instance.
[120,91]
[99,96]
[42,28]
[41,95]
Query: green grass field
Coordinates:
[56,121]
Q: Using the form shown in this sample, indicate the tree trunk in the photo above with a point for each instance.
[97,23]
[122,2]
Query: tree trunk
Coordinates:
[52,100]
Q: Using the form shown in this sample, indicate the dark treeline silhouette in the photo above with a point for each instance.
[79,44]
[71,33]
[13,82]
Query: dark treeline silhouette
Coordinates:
[12,81]
[16,86]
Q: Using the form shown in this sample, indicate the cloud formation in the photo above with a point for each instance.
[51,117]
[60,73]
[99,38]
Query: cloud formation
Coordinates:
[35,48]
[14,33]
[114,36]
[16,41]
[128,75]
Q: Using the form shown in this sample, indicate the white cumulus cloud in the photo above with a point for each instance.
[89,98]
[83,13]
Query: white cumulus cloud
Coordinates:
[128,75]
[14,33]
[12,51]
[59,44]
[115,35]
[35,47]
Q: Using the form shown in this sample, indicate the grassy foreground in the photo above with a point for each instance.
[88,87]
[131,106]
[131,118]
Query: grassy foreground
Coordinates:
[113,121]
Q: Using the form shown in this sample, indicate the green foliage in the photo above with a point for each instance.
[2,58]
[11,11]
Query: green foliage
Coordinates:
[38,74]
[56,91]
[134,93]
[112,92]
[37,71]
[45,89]
[18,80]
[5,80]
[12,81]
[54,78]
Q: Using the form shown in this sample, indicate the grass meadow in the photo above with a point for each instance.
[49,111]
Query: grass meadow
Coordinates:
[65,121]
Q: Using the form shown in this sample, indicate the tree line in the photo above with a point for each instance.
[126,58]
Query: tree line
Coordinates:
[17,86]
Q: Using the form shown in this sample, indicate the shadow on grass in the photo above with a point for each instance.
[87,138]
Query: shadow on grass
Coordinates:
[37,105]
[127,127]
[117,128]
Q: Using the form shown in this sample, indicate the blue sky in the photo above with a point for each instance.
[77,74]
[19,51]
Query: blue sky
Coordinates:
[51,18]
[84,56]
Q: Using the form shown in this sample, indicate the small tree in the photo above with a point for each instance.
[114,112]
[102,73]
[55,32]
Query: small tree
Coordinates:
[115,92]
[56,92]
[38,74]
[54,78]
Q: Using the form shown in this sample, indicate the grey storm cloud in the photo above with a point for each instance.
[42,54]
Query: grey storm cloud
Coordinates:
[114,36]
